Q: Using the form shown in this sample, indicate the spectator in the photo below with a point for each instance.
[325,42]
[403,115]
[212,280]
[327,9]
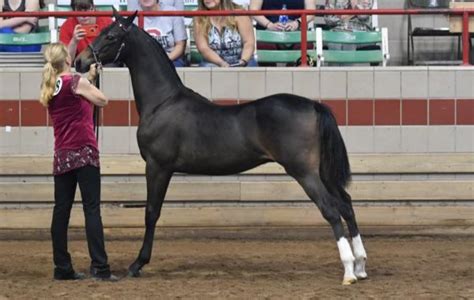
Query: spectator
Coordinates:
[271,22]
[349,22]
[73,32]
[177,4]
[168,31]
[224,41]
[20,24]
[243,3]
[68,98]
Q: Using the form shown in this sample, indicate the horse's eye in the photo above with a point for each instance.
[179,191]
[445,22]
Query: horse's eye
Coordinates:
[110,37]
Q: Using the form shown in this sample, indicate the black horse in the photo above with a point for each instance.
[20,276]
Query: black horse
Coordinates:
[181,131]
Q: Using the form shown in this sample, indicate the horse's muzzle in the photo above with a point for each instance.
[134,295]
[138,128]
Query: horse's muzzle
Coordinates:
[83,61]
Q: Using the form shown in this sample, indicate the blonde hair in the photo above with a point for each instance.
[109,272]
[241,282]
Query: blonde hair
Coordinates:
[204,22]
[55,55]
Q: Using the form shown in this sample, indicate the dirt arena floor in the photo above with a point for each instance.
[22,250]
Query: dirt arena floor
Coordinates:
[272,266]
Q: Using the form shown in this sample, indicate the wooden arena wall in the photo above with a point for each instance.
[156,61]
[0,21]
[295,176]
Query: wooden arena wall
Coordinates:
[409,133]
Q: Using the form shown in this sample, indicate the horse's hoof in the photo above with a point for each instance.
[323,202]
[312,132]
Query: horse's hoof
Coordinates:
[349,280]
[361,275]
[133,274]
[134,271]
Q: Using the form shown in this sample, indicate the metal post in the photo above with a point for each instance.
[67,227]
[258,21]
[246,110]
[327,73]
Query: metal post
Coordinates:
[141,20]
[465,39]
[304,40]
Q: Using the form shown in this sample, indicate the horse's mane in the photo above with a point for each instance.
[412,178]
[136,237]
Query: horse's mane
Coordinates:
[158,48]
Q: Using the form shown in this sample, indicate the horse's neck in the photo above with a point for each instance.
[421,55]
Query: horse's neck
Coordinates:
[154,79]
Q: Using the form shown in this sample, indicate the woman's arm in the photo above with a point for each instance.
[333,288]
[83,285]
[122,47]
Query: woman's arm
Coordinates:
[180,36]
[91,93]
[310,4]
[262,20]
[70,36]
[362,4]
[178,50]
[15,22]
[23,24]
[86,89]
[244,25]
[334,20]
[202,45]
[295,24]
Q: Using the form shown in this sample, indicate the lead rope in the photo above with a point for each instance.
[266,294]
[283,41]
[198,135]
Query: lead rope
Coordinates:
[96,115]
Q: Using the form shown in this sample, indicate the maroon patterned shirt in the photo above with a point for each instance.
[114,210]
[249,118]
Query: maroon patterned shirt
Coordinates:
[75,145]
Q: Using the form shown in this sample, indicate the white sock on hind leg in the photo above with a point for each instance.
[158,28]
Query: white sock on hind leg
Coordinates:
[360,257]
[347,260]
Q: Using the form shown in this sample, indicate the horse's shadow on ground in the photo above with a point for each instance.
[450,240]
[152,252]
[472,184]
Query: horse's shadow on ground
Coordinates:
[231,267]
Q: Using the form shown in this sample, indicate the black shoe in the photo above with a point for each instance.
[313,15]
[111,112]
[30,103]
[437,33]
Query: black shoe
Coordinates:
[111,278]
[69,276]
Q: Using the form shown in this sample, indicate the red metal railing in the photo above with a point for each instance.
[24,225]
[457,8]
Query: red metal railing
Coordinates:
[464,12]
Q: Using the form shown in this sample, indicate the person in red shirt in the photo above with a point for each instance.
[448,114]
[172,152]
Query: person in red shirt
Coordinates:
[69,98]
[78,32]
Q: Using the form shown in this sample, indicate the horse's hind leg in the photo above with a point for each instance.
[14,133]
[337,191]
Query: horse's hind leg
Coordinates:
[157,182]
[347,212]
[327,204]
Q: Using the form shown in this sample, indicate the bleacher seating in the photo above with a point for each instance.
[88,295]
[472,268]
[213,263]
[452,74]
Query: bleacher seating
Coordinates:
[354,38]
[286,39]
[24,59]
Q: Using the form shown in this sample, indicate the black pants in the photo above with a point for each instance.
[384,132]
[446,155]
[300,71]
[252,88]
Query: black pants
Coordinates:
[88,178]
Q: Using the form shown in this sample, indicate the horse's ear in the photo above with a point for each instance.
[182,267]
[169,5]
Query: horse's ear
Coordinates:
[116,15]
[132,17]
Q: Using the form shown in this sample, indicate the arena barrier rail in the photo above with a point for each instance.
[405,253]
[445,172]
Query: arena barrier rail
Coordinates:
[464,12]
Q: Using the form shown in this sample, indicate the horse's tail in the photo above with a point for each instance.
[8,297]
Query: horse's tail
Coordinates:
[334,165]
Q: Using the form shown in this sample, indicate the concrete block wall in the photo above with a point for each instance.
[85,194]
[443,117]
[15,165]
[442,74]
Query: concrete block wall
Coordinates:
[379,110]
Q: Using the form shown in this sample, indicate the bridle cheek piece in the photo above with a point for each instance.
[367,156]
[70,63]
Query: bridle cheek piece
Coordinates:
[95,53]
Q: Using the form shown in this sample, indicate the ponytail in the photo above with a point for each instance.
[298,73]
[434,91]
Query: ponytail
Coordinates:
[48,84]
[55,55]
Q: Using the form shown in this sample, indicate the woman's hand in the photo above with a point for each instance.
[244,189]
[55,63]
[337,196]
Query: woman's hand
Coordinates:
[79,33]
[275,26]
[33,21]
[292,25]
[224,64]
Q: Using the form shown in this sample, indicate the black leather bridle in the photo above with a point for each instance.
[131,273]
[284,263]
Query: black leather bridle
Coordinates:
[95,53]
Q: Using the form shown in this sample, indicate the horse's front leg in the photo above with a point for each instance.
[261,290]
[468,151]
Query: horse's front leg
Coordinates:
[157,181]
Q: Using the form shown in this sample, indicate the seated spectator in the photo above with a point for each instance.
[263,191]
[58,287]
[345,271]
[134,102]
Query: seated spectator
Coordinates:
[272,22]
[20,24]
[349,22]
[224,41]
[135,5]
[242,3]
[74,32]
[168,31]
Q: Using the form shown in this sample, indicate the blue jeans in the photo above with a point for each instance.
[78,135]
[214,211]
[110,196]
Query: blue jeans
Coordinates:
[179,62]
[251,63]
[13,48]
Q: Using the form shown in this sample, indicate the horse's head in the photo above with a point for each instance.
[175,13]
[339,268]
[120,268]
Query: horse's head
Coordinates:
[108,46]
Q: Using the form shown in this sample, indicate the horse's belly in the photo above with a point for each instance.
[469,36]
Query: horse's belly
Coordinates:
[214,166]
